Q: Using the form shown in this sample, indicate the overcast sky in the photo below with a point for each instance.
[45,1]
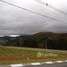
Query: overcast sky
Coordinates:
[17,21]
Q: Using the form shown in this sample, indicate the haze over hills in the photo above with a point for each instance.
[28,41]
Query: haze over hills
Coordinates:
[38,34]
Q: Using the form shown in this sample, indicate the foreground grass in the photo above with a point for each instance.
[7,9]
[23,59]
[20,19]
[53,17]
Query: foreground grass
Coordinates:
[11,55]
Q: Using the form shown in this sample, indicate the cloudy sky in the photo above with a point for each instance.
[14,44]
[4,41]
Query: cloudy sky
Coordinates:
[14,20]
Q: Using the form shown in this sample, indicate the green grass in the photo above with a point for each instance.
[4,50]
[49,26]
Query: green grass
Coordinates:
[21,55]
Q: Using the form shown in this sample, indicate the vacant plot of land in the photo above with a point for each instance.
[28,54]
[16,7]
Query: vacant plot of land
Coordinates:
[9,55]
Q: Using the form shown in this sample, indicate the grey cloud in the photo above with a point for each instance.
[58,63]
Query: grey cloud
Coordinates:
[17,21]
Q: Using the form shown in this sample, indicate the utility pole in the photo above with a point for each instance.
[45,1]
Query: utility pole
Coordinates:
[20,41]
[46,44]
[46,41]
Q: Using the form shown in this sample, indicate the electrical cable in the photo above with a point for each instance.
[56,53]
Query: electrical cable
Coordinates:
[32,11]
[50,6]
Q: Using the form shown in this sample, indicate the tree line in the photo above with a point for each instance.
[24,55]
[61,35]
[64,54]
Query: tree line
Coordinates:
[44,40]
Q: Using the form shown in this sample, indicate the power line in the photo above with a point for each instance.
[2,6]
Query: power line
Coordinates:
[32,11]
[50,6]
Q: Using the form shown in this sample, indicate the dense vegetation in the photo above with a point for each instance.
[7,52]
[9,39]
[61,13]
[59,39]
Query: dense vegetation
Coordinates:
[46,40]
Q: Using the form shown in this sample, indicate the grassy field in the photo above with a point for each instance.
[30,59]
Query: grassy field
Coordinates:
[13,55]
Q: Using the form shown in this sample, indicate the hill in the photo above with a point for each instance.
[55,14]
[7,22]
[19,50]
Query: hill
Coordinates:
[46,40]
